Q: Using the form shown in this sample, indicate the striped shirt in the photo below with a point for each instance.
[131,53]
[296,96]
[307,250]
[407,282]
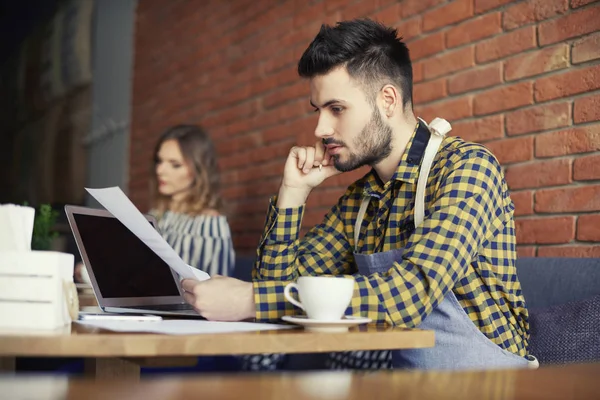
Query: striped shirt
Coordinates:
[203,241]
[465,244]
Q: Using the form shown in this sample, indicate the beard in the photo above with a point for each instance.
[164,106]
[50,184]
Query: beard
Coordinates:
[374,143]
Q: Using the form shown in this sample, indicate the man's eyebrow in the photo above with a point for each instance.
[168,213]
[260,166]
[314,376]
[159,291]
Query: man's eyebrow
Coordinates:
[327,103]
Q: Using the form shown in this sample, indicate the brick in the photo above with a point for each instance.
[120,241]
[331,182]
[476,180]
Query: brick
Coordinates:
[357,10]
[586,49]
[533,11]
[587,109]
[477,78]
[571,25]
[505,45]
[537,62]
[410,28]
[486,5]
[304,128]
[451,13]
[413,7]
[526,251]
[580,3]
[452,109]
[238,143]
[571,82]
[473,30]
[227,115]
[539,174]
[569,199]
[568,141]
[335,5]
[429,91]
[449,62]
[588,228]
[578,251]
[523,201]
[285,58]
[539,118]
[509,151]
[426,46]
[286,93]
[480,129]
[551,230]
[417,72]
[388,15]
[587,168]
[504,98]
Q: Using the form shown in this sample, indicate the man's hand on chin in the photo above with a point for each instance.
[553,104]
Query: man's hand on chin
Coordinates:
[220,298]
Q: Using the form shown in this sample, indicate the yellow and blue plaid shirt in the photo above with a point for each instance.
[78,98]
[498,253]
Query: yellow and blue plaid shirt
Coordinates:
[465,244]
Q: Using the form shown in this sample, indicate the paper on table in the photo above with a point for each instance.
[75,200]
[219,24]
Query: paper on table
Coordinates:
[119,205]
[183,326]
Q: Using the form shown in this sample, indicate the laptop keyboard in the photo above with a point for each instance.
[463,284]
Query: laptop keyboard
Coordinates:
[165,307]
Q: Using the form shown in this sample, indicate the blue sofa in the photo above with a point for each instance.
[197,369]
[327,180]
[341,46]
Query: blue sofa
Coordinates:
[563,297]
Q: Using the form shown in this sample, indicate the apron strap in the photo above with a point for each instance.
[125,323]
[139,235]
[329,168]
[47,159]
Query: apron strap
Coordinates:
[359,219]
[438,128]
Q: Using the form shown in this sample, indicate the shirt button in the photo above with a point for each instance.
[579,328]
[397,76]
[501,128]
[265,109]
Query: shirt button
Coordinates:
[380,221]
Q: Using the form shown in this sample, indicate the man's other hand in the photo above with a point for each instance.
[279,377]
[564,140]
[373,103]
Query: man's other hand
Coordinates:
[220,298]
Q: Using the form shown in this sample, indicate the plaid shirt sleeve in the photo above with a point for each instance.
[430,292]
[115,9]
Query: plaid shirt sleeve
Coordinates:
[283,256]
[468,208]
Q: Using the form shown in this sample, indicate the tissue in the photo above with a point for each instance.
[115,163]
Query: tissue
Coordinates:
[16,227]
[36,287]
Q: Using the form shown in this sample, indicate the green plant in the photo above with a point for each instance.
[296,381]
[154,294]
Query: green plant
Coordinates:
[43,235]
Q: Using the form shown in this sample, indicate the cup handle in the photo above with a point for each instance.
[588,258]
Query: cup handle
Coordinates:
[288,295]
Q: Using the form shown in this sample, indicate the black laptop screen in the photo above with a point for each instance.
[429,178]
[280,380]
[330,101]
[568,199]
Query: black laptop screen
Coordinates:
[123,265]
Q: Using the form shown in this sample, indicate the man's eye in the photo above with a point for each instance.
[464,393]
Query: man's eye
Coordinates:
[337,110]
[176,165]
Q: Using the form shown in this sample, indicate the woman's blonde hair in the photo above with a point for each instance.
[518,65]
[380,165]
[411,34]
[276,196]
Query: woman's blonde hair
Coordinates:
[200,156]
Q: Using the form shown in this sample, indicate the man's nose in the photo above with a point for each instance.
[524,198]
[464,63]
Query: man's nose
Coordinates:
[324,127]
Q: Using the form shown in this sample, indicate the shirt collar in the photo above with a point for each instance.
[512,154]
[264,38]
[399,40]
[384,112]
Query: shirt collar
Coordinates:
[408,168]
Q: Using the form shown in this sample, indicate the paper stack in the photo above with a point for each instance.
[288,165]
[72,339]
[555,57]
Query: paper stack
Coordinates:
[36,287]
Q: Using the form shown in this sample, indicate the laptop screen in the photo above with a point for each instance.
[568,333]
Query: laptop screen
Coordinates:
[123,265]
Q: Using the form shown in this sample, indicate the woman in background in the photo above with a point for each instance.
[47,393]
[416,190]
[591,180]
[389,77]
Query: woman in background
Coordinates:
[186,200]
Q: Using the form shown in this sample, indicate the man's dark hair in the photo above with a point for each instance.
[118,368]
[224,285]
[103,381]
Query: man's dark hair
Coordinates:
[371,52]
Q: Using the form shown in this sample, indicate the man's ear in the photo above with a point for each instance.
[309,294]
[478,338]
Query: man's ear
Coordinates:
[391,100]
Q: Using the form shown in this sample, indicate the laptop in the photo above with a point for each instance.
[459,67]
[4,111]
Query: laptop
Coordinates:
[126,275]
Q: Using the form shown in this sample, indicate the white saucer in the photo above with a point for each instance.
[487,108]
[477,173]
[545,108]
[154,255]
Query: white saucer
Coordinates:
[340,325]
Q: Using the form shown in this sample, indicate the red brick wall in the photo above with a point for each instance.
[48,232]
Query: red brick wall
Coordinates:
[522,77]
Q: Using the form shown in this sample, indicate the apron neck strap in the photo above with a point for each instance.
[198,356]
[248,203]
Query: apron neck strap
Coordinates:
[359,219]
[438,128]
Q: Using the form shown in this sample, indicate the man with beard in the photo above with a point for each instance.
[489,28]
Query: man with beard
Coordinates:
[428,233]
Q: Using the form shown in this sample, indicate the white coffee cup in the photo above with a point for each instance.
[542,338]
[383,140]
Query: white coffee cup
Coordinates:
[323,298]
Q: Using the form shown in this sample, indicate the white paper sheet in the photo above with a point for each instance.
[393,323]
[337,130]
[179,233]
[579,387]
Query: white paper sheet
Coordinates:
[119,205]
[183,326]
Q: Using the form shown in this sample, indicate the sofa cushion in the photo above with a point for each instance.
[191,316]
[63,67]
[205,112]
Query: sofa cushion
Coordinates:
[566,333]
[243,267]
[549,281]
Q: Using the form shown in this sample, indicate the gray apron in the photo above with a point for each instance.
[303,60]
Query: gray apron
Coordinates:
[458,342]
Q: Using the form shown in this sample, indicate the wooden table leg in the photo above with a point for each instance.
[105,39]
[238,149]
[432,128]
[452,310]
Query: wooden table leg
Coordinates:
[110,368]
[7,364]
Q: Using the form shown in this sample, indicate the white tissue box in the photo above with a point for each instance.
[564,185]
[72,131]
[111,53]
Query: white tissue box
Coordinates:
[36,289]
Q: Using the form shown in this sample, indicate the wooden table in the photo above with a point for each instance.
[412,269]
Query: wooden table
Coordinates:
[111,354]
[560,383]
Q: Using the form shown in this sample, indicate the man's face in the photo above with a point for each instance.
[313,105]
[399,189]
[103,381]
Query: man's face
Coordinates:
[351,126]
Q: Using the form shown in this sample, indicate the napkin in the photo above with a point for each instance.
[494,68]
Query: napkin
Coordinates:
[16,227]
